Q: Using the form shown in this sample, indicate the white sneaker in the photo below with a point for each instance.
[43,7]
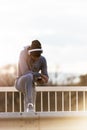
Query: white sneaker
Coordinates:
[30,107]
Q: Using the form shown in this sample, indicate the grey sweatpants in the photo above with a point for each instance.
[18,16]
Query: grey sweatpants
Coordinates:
[25,84]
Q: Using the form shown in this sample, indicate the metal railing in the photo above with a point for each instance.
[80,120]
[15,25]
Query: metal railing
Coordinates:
[49,99]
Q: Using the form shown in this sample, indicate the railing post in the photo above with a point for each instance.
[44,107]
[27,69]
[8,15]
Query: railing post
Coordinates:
[5,101]
[12,101]
[62,101]
[41,101]
[48,101]
[69,100]
[84,101]
[76,100]
[20,100]
[55,101]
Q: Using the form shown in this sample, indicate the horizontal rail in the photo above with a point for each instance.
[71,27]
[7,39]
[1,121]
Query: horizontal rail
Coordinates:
[47,88]
[8,89]
[60,89]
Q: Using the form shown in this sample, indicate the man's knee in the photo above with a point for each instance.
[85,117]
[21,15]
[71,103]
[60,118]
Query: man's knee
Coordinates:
[20,83]
[30,76]
[26,77]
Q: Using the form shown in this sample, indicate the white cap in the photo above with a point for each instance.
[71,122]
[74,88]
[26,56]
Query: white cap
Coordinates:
[33,50]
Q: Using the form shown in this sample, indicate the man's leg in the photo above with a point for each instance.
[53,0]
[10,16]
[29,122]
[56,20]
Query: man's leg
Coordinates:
[25,85]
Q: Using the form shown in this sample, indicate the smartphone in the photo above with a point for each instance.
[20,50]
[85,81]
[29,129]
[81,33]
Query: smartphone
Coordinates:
[39,78]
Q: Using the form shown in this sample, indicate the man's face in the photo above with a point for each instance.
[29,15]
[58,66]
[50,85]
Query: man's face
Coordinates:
[34,58]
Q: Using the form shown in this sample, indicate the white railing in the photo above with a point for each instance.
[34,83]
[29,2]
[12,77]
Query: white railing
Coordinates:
[55,98]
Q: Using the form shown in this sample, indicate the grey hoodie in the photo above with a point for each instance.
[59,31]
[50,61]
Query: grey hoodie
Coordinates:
[26,64]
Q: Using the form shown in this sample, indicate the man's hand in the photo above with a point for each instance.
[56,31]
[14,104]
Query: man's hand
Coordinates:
[42,80]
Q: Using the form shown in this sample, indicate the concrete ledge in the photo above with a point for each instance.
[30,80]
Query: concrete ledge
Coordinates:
[43,121]
[15,115]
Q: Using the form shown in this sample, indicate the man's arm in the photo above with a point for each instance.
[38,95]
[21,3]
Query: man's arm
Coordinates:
[44,73]
[22,64]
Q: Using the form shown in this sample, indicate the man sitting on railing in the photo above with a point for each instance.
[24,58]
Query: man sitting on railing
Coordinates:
[30,63]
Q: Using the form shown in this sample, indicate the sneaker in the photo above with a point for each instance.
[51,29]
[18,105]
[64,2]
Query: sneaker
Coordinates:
[30,107]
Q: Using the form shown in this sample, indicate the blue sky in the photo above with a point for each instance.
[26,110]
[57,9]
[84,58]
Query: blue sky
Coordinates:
[60,25]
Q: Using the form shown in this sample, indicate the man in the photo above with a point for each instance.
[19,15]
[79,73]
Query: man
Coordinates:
[32,67]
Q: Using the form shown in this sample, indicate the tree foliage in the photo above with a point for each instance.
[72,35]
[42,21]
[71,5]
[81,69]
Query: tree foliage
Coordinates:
[8,75]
